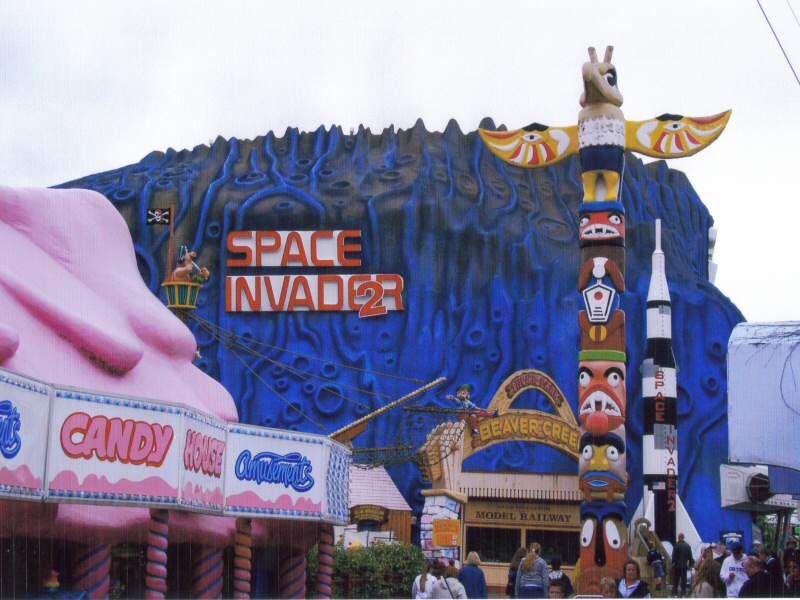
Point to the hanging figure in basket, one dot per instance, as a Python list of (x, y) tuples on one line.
[(469, 410)]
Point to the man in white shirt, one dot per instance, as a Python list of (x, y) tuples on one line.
[(732, 572)]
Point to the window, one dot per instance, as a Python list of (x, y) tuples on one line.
[(494, 545), (565, 543), (369, 525)]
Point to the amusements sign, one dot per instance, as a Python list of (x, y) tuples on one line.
[(368, 294), (274, 472), (24, 406), (115, 450)]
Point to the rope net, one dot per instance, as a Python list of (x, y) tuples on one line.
[(427, 435)]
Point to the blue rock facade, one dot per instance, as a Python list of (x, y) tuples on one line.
[(489, 255)]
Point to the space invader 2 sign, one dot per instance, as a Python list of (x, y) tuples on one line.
[(369, 294), (446, 532)]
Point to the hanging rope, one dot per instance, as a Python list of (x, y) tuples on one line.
[(232, 341), (235, 338), (421, 437), (274, 391)]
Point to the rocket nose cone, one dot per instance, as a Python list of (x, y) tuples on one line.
[(597, 423)]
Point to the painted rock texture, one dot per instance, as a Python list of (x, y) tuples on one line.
[(489, 257)]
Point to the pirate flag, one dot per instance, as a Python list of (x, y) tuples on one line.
[(158, 216)]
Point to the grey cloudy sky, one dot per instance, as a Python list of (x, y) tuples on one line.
[(92, 86)]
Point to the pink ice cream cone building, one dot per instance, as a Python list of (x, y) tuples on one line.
[(118, 454)]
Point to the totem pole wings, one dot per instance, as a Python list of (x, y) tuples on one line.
[(601, 123), (667, 136)]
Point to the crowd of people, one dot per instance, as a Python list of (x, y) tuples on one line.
[(529, 577), (719, 572), (730, 573), (760, 573)]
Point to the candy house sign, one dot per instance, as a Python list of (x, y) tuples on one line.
[(108, 448), (114, 450), (202, 462)]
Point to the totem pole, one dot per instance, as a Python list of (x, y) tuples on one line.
[(600, 139)]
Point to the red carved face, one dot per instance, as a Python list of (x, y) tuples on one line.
[(601, 385), (601, 225)]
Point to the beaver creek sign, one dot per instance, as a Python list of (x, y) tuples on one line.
[(558, 430)]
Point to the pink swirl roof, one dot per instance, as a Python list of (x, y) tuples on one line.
[(76, 312)]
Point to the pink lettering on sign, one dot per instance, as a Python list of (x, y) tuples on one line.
[(203, 453), (128, 441)]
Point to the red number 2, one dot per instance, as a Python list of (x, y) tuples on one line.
[(372, 307)]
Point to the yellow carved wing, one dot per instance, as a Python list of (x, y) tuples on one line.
[(532, 146), (673, 136)]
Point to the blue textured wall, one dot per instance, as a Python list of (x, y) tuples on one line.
[(489, 255)]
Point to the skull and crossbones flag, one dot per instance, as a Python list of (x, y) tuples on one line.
[(158, 216)]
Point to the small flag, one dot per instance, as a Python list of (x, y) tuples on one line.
[(659, 485), (158, 216)]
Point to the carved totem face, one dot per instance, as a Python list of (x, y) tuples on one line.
[(604, 544), (602, 466), (601, 385), (602, 222)]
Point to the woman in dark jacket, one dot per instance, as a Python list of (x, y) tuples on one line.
[(472, 578)]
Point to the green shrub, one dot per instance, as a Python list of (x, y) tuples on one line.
[(388, 570)]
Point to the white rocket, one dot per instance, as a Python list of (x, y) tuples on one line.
[(660, 400)]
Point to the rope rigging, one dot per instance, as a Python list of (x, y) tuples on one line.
[(426, 435)]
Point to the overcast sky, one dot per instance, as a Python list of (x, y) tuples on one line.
[(93, 86)]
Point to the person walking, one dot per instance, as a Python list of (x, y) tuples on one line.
[(789, 553), (472, 578), (447, 584), (556, 574), (532, 576), (681, 561), (423, 584), (708, 584), (656, 561), (793, 578), (512, 572), (773, 568), (733, 574)]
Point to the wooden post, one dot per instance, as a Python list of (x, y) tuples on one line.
[(171, 263)]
